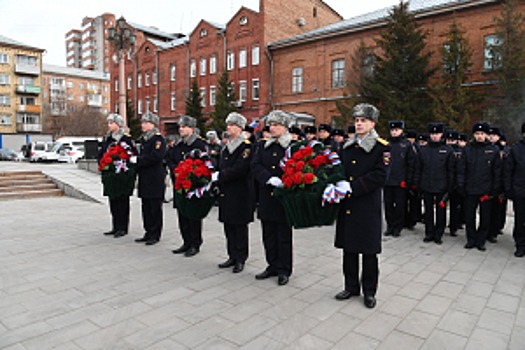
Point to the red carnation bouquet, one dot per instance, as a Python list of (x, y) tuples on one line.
[(118, 174), (308, 168), (193, 186)]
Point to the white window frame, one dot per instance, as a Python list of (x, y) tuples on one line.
[(173, 72), (173, 101), (230, 60), (139, 106), (5, 100), (4, 58), (5, 79), (148, 104), (146, 79), (154, 77), (243, 58), (139, 80), (256, 89), (489, 41), (130, 81), (203, 64), (338, 73), (6, 119), (256, 59), (213, 95), (297, 80), (243, 91), (193, 68), (213, 64), (155, 104), (202, 92)]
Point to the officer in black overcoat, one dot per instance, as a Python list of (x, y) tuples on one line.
[(400, 175), (338, 140), (236, 189), (479, 177), (365, 158), (190, 229), (277, 233), (152, 177), (455, 198), (434, 178), (119, 206), (413, 207), (324, 135), (310, 132), (514, 184), (498, 213)]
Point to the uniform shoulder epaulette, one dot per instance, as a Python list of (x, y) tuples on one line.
[(127, 134), (248, 142), (382, 141), (263, 139), (158, 134)]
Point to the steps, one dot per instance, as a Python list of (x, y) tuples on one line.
[(26, 184)]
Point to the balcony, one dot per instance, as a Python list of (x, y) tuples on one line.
[(95, 100), (20, 127), (29, 108), (28, 89), (27, 69)]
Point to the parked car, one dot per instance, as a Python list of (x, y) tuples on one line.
[(9, 154), (72, 148), (38, 149)]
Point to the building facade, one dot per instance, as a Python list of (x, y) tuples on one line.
[(66, 91), (20, 87)]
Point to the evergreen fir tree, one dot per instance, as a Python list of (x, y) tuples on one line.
[(224, 102), (194, 105), (132, 121), (399, 83), (455, 103)]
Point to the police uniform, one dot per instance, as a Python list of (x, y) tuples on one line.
[(413, 206), (498, 212), (514, 184), (327, 142), (152, 184), (358, 228), (479, 178), (455, 197), (190, 229), (119, 206), (400, 175), (434, 178)]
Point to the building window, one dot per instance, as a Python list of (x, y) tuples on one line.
[(242, 58), (81, 86), (154, 78), (255, 56), (130, 80), (203, 66), (26, 60), (193, 69), (338, 74), (173, 101), (230, 60), (105, 88), (203, 32), (106, 100), (5, 120), (139, 106), (147, 78), (139, 80), (70, 84), (4, 79), (492, 57), (203, 97), (297, 80), (4, 58), (255, 89), (213, 95), (148, 104), (155, 104), (243, 21), (242, 91), (213, 64), (81, 98), (4, 100), (173, 72), (70, 97)]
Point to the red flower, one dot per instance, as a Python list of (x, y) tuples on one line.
[(287, 181), (300, 165), (484, 198), (403, 184), (309, 178), (442, 204), (297, 178), (186, 184)]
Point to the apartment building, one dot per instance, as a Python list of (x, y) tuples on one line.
[(20, 87), (312, 86), (66, 90)]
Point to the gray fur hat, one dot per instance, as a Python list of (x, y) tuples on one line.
[(116, 118), (278, 117), (150, 118), (186, 120), (367, 111), (237, 119)]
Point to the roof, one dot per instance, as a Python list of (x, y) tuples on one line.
[(377, 17), (170, 44), (75, 72), (9, 41), (153, 31)]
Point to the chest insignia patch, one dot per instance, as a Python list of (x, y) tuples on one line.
[(246, 153), (386, 158), (158, 144)]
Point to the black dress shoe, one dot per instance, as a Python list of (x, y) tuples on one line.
[(152, 241), (453, 234), (428, 239), (141, 240), (120, 234), (492, 239), (264, 275), (370, 301), (282, 280), (388, 233), (238, 267), (180, 250), (396, 233), (228, 263), (481, 247), (469, 245), (344, 295), (110, 233), (519, 253), (438, 241), (191, 252)]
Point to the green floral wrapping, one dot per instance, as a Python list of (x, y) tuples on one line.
[(194, 208), (119, 185)]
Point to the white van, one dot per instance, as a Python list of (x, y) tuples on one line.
[(38, 149), (71, 149)]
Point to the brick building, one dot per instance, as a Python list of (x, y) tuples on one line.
[(311, 70)]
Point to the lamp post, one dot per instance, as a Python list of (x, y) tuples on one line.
[(121, 37)]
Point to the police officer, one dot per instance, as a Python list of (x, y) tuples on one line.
[(338, 140), (350, 132), (152, 174), (401, 172), (325, 135), (296, 133), (479, 178), (277, 233), (119, 206), (413, 211), (311, 132), (236, 187), (190, 229), (514, 181), (452, 137), (434, 178), (365, 159), (498, 213)]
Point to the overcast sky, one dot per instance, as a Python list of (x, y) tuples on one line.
[(44, 23)]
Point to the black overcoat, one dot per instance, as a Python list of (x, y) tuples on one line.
[(358, 228), (514, 171), (435, 168), (150, 168), (479, 170)]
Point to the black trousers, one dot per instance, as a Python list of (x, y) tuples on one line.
[(413, 211), (369, 273), (190, 230), (236, 242), (119, 208), (455, 211), (152, 218), (477, 236), (434, 226), (277, 240), (498, 216), (394, 198), (519, 223)]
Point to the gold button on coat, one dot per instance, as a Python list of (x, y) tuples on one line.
[(348, 212)]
